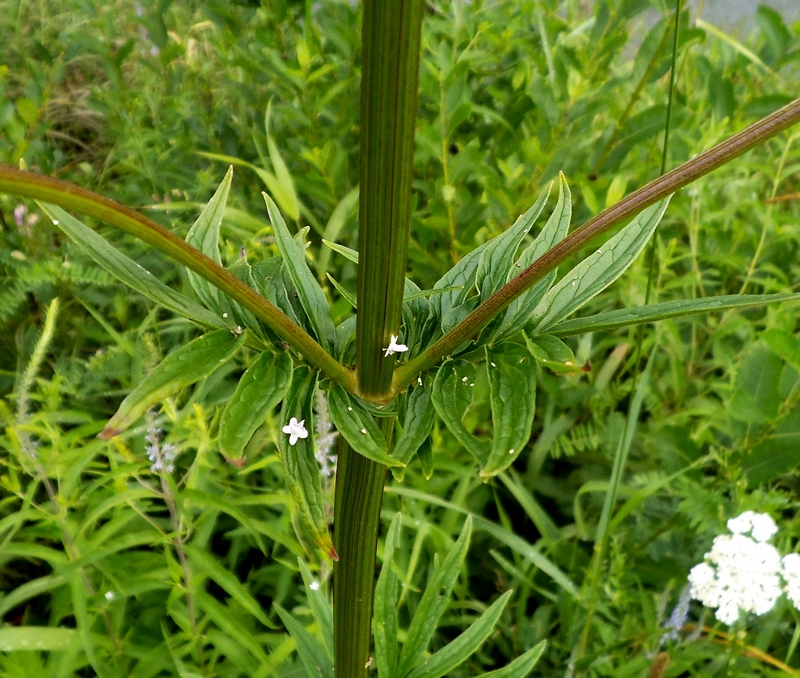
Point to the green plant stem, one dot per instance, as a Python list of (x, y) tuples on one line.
[(625, 209), (70, 196), (391, 36)]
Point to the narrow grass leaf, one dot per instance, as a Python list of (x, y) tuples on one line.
[(300, 466), (512, 395), (203, 562), (127, 271), (521, 666), (320, 606), (554, 231), (357, 427), (184, 366), (434, 601), (496, 261), (598, 270), (625, 317), (311, 295), (227, 623), (349, 297), (204, 235), (286, 194), (384, 618), (313, 656), (341, 213), (457, 651), (261, 388), (417, 424), (516, 543), (41, 638), (451, 396), (206, 500)]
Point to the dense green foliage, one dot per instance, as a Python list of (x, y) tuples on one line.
[(188, 573)]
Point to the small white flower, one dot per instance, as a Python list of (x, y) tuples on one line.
[(739, 575), (295, 430), (394, 347), (109, 595), (314, 586), (758, 525), (791, 575)]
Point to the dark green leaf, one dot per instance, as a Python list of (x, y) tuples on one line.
[(357, 427), (260, 388), (384, 619), (417, 423), (668, 309), (495, 263), (204, 235), (128, 271), (182, 367), (452, 395), (598, 270), (512, 389), (310, 293), (456, 652), (311, 652), (434, 601), (300, 466)]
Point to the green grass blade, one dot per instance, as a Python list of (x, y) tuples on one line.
[(669, 309), (42, 638), (384, 620), (315, 660), (521, 666), (457, 651), (434, 601), (320, 606)]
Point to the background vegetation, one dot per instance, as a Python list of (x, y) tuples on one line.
[(180, 574)]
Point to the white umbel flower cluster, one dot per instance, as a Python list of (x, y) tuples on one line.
[(743, 573)]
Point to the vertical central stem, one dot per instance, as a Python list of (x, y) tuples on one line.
[(389, 81)]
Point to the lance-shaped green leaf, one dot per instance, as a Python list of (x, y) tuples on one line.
[(512, 394), (320, 606), (434, 601), (128, 271), (384, 619), (417, 423), (454, 653), (312, 654), (624, 317), (204, 235), (182, 367), (495, 263), (357, 427), (598, 270), (310, 293), (554, 231), (521, 666), (452, 395), (260, 388), (300, 466)]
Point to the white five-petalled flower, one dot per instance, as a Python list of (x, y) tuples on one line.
[(295, 430), (394, 347)]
